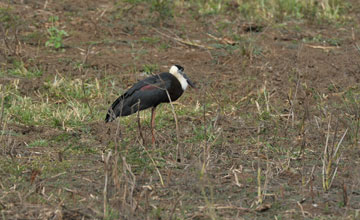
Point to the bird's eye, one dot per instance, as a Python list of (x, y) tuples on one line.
[(180, 67)]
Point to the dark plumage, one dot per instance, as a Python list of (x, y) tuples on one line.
[(150, 92), (147, 93)]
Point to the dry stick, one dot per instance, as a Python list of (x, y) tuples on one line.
[(153, 162), (326, 158), (291, 112), (266, 181), (2, 105), (179, 152), (82, 82), (205, 133), (139, 124), (345, 196), (302, 209), (292, 105), (86, 55), (181, 41), (260, 194), (117, 149), (106, 164), (174, 208), (3, 125), (86, 100), (338, 159), (357, 128), (128, 168), (334, 138), (303, 141), (116, 159)]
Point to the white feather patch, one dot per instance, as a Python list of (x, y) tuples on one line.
[(175, 72)]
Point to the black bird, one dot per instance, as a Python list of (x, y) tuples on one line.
[(150, 92)]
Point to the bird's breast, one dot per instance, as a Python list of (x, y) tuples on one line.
[(175, 90)]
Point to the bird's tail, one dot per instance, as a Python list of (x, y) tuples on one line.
[(115, 109), (109, 116)]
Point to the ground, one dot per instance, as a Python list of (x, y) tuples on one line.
[(271, 132)]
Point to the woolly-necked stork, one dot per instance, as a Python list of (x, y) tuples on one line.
[(150, 92)]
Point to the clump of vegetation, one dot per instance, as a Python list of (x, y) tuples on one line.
[(163, 8), (55, 35), (278, 10), (7, 18)]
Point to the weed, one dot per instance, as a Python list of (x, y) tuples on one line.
[(55, 35), (55, 38), (211, 6), (351, 102), (281, 10), (150, 40), (7, 18), (320, 39), (39, 143), (150, 68), (163, 8), (331, 158)]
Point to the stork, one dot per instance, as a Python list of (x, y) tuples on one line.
[(162, 88)]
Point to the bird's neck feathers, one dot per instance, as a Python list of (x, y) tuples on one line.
[(181, 78)]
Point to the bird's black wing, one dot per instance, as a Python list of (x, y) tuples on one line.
[(150, 91), (145, 82)]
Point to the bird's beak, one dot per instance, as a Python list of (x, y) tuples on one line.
[(188, 80)]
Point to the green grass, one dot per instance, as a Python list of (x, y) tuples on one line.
[(20, 70), (275, 10), (64, 103)]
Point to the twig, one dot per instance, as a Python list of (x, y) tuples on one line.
[(179, 152), (139, 124), (153, 162), (186, 42), (260, 192), (86, 100), (174, 208), (345, 195), (223, 207), (127, 167), (2, 105), (116, 156), (106, 167), (302, 209), (205, 133), (86, 55)]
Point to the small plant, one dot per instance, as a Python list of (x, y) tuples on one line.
[(163, 8), (150, 68), (55, 35), (211, 6), (8, 19), (330, 160)]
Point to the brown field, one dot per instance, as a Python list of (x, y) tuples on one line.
[(272, 132)]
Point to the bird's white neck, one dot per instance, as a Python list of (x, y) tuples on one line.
[(182, 80)]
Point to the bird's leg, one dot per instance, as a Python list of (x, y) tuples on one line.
[(153, 125)]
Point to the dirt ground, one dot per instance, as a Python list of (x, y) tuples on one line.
[(271, 97)]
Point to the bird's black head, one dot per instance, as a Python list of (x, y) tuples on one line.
[(180, 68)]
